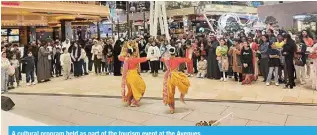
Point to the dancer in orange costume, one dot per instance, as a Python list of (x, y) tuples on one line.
[(173, 78), (189, 55), (132, 79)]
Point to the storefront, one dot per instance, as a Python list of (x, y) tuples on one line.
[(300, 25), (26, 21), (10, 35), (14, 35), (285, 12)]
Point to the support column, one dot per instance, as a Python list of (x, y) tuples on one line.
[(161, 19), (167, 34), (112, 21), (128, 19), (151, 17), (144, 22), (66, 30), (98, 30), (155, 22), (83, 32), (118, 28)]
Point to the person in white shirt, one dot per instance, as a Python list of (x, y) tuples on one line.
[(84, 60), (97, 56), (202, 67), (66, 44), (155, 54), (66, 63)]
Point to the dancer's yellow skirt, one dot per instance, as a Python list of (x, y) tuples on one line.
[(179, 80), (135, 84)]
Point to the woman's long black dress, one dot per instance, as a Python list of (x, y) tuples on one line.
[(288, 51), (213, 71), (116, 62), (144, 65)]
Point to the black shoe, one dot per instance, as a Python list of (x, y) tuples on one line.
[(47, 80), (86, 73)]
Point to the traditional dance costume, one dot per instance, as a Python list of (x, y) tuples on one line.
[(255, 60), (313, 75), (172, 79), (132, 80)]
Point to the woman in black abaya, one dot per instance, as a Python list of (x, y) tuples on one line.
[(116, 62), (145, 65), (213, 71), (288, 51)]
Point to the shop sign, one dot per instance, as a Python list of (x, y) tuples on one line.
[(10, 3), (300, 17)]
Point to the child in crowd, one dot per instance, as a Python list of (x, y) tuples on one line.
[(274, 63), (15, 77), (222, 57), (57, 59), (154, 54), (29, 68), (83, 62), (202, 67), (66, 63), (5, 63), (110, 61), (247, 63)]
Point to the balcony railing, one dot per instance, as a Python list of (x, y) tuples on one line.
[(77, 2), (187, 4)]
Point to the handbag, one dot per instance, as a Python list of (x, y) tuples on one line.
[(298, 62), (11, 70)]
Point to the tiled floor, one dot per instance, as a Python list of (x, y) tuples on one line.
[(200, 89), (65, 110)]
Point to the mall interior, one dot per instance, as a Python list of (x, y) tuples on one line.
[(23, 22)]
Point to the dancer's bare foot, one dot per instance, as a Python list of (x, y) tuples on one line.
[(182, 99), (172, 111), (135, 105)]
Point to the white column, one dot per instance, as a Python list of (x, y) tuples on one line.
[(155, 22), (165, 21), (161, 18), (151, 17)]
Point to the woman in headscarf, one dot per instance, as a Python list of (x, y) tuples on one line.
[(213, 71), (76, 55), (288, 51), (143, 53), (131, 78), (173, 78), (116, 63)]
